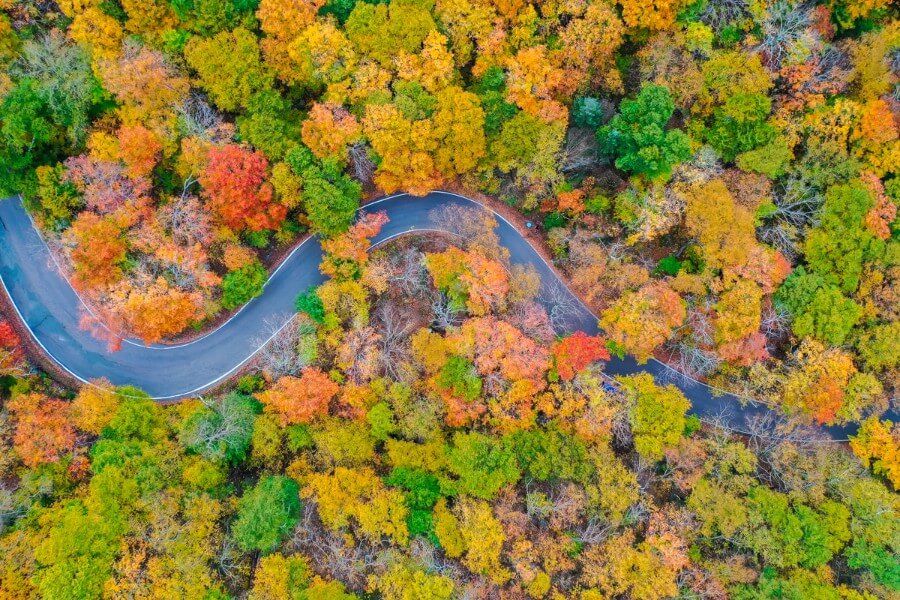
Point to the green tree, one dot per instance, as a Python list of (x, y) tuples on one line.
[(57, 200), (587, 112), (878, 346), (423, 490), (242, 285), (719, 511), (481, 465), (830, 317), (819, 309), (637, 137), (266, 514), (221, 429), (270, 124), (460, 377), (785, 536), (341, 9), (310, 304), (81, 539), (229, 67), (797, 585), (771, 159), (63, 81), (549, 454), (330, 197), (491, 91), (529, 147), (657, 414), (28, 137), (740, 125), (837, 249), (209, 17), (875, 526)]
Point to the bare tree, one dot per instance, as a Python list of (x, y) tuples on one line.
[(199, 119), (445, 314), (580, 151), (361, 162), (425, 554), (329, 552), (693, 360), (394, 329), (721, 13), (595, 531), (775, 321), (797, 202), (621, 430), (531, 318), (782, 236), (561, 305), (231, 562), (408, 272), (186, 219), (281, 345), (476, 226), (13, 507), (832, 71), (785, 25)]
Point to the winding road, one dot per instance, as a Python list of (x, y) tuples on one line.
[(50, 309)]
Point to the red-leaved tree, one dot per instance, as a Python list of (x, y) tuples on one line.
[(574, 353), (12, 359), (236, 189)]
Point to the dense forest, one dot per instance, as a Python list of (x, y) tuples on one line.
[(716, 179)]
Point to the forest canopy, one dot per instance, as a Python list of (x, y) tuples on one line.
[(716, 180)]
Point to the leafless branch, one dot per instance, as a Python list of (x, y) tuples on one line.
[(561, 305), (445, 315), (361, 162), (394, 329), (281, 355), (580, 151)]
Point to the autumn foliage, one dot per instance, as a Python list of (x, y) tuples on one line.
[(236, 189), (43, 431), (12, 355), (574, 353), (716, 180), (298, 400), (640, 321)]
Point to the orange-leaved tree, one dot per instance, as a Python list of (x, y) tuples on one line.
[(347, 254), (469, 279), (877, 444), (99, 251), (159, 310), (573, 353), (43, 431), (300, 400), (640, 321), (236, 189)]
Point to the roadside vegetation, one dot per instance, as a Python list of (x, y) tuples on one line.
[(716, 179), (421, 431)]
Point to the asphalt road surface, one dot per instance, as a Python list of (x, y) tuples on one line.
[(51, 310)]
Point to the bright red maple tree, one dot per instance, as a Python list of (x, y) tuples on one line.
[(574, 353), (236, 189)]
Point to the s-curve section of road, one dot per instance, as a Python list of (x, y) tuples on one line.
[(50, 309)]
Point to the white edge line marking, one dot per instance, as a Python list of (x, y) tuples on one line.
[(243, 362), (218, 379), (138, 343)]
